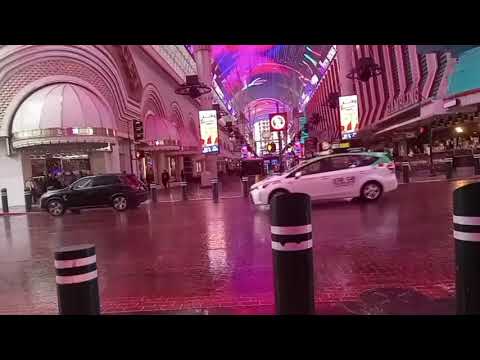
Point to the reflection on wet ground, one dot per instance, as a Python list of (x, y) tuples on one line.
[(390, 257)]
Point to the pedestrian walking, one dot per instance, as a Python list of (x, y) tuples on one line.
[(165, 179)]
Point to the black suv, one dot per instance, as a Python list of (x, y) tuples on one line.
[(117, 190)]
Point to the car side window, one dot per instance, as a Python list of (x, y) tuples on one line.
[(316, 167), (339, 163), (363, 160), (82, 184), (105, 180)]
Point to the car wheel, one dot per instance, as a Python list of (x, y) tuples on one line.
[(55, 207), (275, 194), (120, 203), (371, 191)]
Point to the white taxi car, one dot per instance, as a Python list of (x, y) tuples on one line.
[(366, 175)]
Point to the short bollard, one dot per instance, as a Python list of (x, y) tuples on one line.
[(466, 232), (28, 200), (292, 248), (214, 183), (77, 280), (245, 186), (449, 168), (476, 163), (4, 200), (406, 172), (153, 189), (183, 184)]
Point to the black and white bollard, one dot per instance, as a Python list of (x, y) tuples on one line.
[(214, 183), (153, 189), (466, 232), (292, 248), (449, 168), (4, 200), (245, 186), (77, 280), (28, 200), (476, 163), (406, 172), (183, 184)]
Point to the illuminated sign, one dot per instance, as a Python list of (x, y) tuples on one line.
[(348, 114), (209, 131), (278, 121)]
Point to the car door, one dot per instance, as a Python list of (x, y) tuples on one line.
[(79, 192), (311, 180), (102, 190), (346, 175), (341, 178)]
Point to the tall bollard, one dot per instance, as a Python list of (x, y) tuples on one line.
[(292, 248), (214, 183), (4, 200), (28, 200), (406, 172), (449, 168), (153, 189), (77, 280), (476, 163), (466, 232), (245, 186), (183, 184)]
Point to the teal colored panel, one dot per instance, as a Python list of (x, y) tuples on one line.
[(467, 72)]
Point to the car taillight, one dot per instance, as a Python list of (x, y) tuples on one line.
[(390, 166)]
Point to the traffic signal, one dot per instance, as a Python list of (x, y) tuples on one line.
[(137, 130), (140, 154), (271, 147)]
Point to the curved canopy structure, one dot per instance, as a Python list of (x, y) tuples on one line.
[(287, 73), (62, 113)]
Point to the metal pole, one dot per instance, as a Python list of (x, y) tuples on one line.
[(153, 189), (476, 163), (449, 168), (245, 186), (405, 172), (28, 200), (184, 190), (214, 183), (77, 280), (466, 232), (130, 148), (292, 249), (4, 200), (432, 165)]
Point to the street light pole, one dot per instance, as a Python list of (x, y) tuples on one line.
[(130, 146)]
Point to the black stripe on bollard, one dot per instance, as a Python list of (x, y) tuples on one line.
[(77, 280), (466, 232), (292, 249), (153, 189)]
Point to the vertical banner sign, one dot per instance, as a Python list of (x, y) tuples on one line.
[(348, 115), (209, 131)]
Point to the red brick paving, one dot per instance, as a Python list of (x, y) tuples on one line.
[(216, 258)]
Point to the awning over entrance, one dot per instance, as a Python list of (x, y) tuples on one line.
[(62, 114)]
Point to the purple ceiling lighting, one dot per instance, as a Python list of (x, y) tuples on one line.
[(286, 73)]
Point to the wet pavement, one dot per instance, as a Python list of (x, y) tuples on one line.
[(395, 256)]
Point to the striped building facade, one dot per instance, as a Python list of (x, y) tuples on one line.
[(408, 80)]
